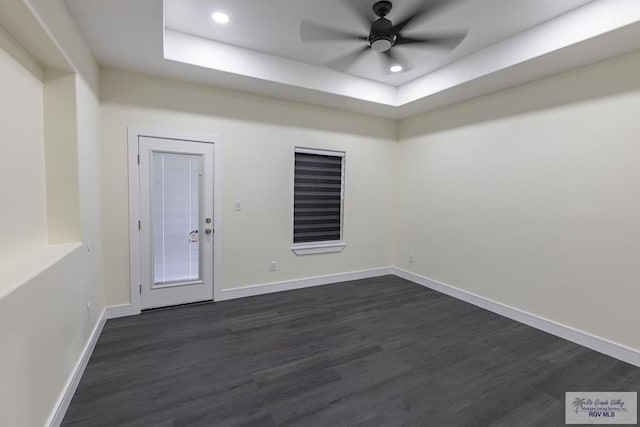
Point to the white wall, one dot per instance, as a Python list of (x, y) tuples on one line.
[(91, 205), (528, 197), (258, 137), (23, 224), (61, 157), (531, 197), (45, 319), (51, 295), (54, 18), (44, 327)]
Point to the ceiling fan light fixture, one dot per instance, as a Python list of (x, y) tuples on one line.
[(220, 17), (396, 68), (381, 44)]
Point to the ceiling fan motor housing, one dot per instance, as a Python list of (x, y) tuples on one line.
[(382, 8), (382, 36)]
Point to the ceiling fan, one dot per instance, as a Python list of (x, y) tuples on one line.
[(383, 35)]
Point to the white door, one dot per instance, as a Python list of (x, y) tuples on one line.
[(176, 222)]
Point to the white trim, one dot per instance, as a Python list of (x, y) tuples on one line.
[(577, 336), (134, 216), (122, 310), (317, 248), (217, 219), (268, 288), (133, 135), (64, 400), (618, 351), (173, 134)]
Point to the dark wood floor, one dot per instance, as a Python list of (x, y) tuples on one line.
[(373, 352)]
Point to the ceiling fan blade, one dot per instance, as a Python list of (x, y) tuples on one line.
[(391, 58), (427, 7), (362, 10), (344, 62), (449, 41), (311, 32)]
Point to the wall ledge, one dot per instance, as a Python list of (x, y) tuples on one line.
[(31, 264)]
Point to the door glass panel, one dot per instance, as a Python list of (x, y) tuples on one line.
[(175, 212)]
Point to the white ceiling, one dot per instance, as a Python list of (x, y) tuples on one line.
[(509, 42), (274, 27)]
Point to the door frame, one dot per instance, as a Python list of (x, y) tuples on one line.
[(135, 265)]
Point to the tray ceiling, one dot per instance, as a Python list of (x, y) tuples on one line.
[(259, 50)]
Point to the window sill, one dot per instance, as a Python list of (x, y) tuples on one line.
[(318, 248)]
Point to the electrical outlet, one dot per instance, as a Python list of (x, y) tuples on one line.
[(411, 256), (237, 205), (273, 266)]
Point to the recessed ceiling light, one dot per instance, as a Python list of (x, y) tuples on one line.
[(396, 68), (220, 18)]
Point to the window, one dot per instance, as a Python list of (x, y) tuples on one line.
[(317, 201)]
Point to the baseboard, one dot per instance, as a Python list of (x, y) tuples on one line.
[(601, 345), (268, 288), (59, 411), (122, 310), (585, 339)]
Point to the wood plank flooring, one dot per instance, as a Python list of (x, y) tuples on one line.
[(374, 352)]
